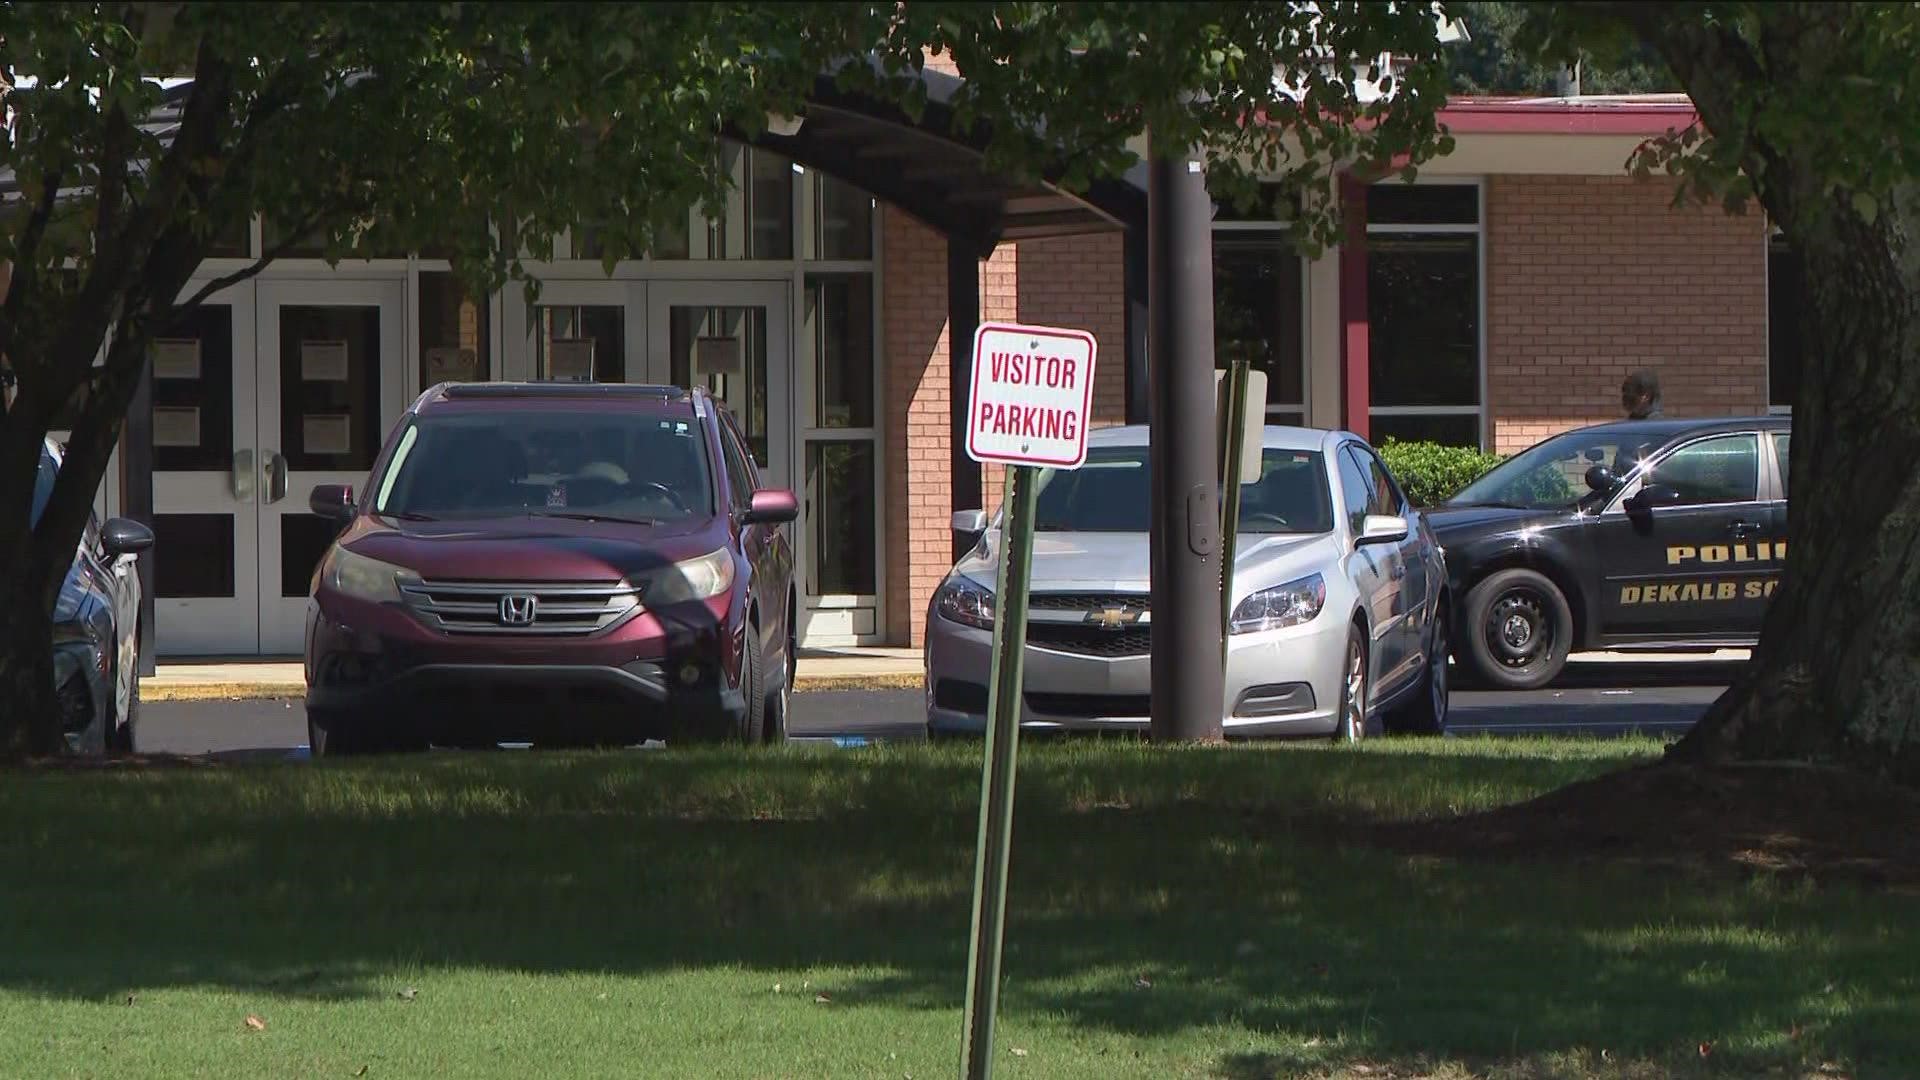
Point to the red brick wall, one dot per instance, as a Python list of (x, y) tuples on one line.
[(919, 545), (1591, 277), (1080, 282)]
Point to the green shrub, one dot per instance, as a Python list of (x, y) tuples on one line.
[(1430, 473)]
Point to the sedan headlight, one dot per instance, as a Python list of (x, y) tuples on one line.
[(366, 579), (1286, 605), (703, 578), (966, 602)]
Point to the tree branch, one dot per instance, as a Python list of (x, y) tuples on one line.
[(278, 251)]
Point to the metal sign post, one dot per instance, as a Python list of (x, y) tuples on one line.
[(996, 783), (1032, 392)]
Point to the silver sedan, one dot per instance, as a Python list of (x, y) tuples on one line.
[(1339, 620)]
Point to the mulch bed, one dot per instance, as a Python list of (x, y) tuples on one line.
[(1787, 818)]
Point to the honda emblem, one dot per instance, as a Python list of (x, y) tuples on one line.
[(517, 610)]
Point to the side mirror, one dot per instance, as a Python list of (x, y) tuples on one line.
[(125, 536), (970, 522), (1380, 529), (1652, 496), (772, 506), (1601, 479), (333, 502)]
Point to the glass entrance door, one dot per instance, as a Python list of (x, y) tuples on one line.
[(331, 380), (730, 337), (206, 479)]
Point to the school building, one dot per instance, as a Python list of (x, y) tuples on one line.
[(1500, 298)]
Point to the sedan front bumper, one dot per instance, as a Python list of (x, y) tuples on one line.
[(1278, 683)]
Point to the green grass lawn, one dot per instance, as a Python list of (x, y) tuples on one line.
[(804, 914)]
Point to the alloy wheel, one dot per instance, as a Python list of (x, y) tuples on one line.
[(1356, 719)]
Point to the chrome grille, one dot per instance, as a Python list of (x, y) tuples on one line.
[(1088, 601), (547, 607), (1072, 623)]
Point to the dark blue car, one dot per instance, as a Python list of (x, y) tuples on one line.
[(96, 627)]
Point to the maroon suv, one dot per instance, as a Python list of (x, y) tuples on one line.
[(557, 564)]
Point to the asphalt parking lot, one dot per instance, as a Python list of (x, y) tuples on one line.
[(1601, 699)]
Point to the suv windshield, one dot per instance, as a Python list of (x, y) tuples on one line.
[(561, 463), (1110, 494), (1552, 475)]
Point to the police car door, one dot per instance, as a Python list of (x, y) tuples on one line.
[(1686, 550)]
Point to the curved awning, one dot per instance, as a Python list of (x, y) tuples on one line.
[(938, 174)]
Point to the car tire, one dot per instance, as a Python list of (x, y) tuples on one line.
[(1350, 725), (1426, 714), (1516, 630), (753, 679), (779, 698)]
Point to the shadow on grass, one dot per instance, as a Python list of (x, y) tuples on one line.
[(1153, 893)]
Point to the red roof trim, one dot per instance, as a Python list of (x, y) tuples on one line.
[(1559, 117)]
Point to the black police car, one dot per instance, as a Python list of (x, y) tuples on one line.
[(1641, 534)]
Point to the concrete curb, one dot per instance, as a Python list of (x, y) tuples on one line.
[(240, 691)]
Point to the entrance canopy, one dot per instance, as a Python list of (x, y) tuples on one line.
[(936, 172)]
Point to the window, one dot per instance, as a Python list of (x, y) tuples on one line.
[(580, 344), (1550, 474), (1423, 312), (1385, 500), (632, 465), (1356, 490), (1784, 327), (739, 473), (839, 319), (1259, 313), (1780, 455), (1722, 469), (453, 331), (1110, 493), (842, 220)]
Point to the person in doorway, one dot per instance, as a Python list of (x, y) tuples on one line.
[(1640, 395)]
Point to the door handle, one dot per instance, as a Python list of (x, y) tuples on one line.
[(276, 477), (1743, 529), (242, 480)]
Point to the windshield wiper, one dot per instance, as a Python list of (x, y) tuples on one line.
[(572, 515), (407, 515)]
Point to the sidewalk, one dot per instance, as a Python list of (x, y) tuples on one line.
[(862, 668), (257, 678)]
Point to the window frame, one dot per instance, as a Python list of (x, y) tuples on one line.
[(1274, 233), (1765, 484), (1477, 230), (1348, 457)]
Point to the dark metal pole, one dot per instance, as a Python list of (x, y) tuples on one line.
[(1187, 664), (1134, 277), (963, 318)]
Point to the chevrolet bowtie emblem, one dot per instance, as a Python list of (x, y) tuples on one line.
[(1112, 618)]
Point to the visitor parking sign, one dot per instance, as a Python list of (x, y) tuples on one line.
[(1031, 395)]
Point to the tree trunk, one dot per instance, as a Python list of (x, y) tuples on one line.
[(1836, 675), (26, 667)]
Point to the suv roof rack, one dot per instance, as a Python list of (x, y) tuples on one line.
[(557, 390)]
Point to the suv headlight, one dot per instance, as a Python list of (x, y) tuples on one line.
[(366, 579), (965, 601), (1286, 605), (703, 578)]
